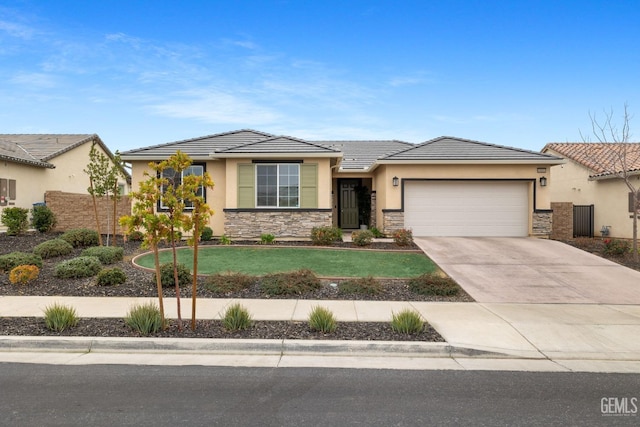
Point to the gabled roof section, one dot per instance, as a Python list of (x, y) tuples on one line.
[(280, 145), (38, 149), (360, 155), (197, 148), (451, 149), (602, 159)]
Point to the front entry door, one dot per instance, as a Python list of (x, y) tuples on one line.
[(348, 204)]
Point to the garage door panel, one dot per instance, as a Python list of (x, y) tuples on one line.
[(467, 208)]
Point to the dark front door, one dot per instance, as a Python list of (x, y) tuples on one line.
[(348, 203)]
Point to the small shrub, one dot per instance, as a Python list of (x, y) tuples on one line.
[(144, 318), (53, 248), (82, 266), (228, 282), (236, 318), (267, 239), (81, 237), (403, 237), (362, 286), (432, 284), (136, 236), (111, 277), (292, 283), (207, 234), (58, 317), (11, 260), (42, 218), (325, 235), (24, 274), (15, 219), (106, 254), (407, 322), (224, 240), (376, 233), (362, 237), (616, 247), (322, 320), (167, 278)]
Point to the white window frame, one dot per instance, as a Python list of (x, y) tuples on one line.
[(182, 175), (277, 165)]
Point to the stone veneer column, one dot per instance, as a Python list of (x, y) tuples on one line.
[(562, 225)]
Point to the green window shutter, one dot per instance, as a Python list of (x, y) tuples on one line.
[(246, 182), (309, 185)]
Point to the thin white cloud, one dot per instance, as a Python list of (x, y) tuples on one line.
[(16, 30), (34, 80)]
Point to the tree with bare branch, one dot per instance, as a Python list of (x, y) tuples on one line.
[(614, 154)]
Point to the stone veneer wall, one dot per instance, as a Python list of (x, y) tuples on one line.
[(73, 210), (392, 221), (562, 227), (542, 223), (281, 223)]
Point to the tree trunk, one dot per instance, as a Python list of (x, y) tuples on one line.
[(115, 212), (195, 275), (95, 212), (156, 257), (175, 276)]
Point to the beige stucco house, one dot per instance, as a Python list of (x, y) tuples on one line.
[(587, 179), (32, 164), (443, 187)]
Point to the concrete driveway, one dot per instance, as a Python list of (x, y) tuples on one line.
[(529, 270)]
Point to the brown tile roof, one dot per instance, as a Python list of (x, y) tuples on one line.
[(601, 158)]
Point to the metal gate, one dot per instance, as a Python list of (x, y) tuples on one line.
[(583, 220)]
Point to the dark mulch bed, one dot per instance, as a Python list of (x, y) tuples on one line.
[(596, 246), (140, 283)]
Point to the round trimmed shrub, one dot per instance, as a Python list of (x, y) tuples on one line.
[(166, 275), (136, 236), (325, 235), (362, 237), (362, 286), (82, 266), (53, 248), (228, 282), (15, 219), (111, 277), (207, 234), (81, 237), (106, 254), (403, 237), (292, 283), (42, 218), (24, 274), (11, 260), (431, 284)]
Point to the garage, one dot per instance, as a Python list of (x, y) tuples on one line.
[(467, 208)]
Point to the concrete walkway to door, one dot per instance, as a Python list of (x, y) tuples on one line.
[(530, 270)]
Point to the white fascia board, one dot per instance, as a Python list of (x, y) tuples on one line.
[(272, 155), (471, 162)]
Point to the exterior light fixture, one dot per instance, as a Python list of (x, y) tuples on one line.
[(395, 181), (543, 181)]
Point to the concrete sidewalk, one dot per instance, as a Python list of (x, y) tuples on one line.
[(502, 336)]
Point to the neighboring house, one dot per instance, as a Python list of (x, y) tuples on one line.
[(31, 164), (586, 179), (285, 186)]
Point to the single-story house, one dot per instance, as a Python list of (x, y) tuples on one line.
[(588, 178), (283, 185), (32, 164)]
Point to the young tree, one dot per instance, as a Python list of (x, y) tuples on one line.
[(98, 170), (614, 154), (115, 172), (193, 187)]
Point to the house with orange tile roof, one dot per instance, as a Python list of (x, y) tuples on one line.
[(593, 175)]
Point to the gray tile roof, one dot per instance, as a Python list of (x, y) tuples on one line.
[(198, 148), (359, 155), (38, 149), (279, 145), (447, 148)]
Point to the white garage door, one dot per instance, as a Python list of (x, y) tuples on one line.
[(467, 208)]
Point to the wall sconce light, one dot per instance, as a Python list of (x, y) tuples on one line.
[(543, 181), (395, 181)]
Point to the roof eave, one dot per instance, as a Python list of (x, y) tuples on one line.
[(474, 161), (36, 163), (602, 177), (272, 155)]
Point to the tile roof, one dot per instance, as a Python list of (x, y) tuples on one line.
[(279, 144), (361, 155), (450, 148), (602, 159), (38, 149)]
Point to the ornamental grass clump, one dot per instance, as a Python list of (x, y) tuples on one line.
[(53, 248), (111, 277), (58, 317), (236, 318), (11, 260), (82, 266), (361, 286), (407, 322), (322, 320), (24, 274), (144, 318), (106, 254), (292, 283), (228, 282), (434, 285)]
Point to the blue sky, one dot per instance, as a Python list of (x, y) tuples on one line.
[(137, 73)]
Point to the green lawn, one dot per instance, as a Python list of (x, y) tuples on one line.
[(324, 262)]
